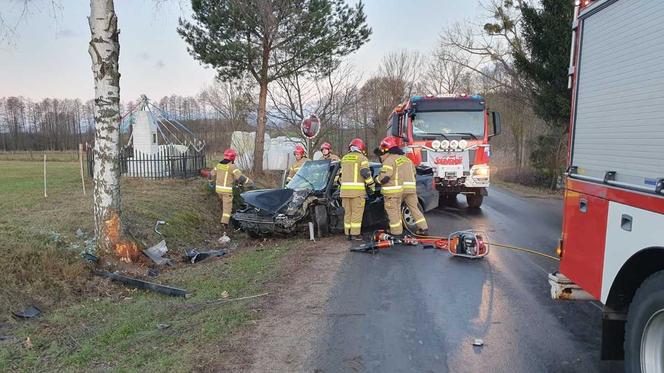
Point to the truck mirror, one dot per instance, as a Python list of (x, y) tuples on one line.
[(394, 126), (495, 118)]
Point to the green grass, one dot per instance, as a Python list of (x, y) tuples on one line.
[(90, 324), (120, 332)]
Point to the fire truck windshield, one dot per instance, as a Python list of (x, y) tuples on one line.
[(461, 123)]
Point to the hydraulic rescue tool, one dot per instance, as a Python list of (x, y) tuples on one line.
[(467, 244)]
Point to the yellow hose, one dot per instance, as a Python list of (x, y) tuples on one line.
[(524, 250)]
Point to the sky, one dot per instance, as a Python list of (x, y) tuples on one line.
[(47, 56)]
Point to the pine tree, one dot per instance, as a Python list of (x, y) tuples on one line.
[(272, 39)]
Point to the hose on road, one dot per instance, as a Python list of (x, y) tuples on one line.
[(504, 246), (524, 250)]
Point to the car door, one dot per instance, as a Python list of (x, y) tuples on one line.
[(374, 210)]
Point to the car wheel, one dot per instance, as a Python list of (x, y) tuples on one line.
[(474, 200), (408, 219), (253, 234), (644, 330), (321, 220)]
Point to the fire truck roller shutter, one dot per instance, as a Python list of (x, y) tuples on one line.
[(618, 124)]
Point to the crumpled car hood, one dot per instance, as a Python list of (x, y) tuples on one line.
[(269, 200)]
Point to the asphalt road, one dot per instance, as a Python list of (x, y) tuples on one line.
[(413, 310)]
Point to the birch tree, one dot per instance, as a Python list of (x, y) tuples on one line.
[(105, 52)]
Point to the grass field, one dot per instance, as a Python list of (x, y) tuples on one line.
[(91, 324)]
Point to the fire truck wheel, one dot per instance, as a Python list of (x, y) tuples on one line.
[(474, 200), (644, 331)]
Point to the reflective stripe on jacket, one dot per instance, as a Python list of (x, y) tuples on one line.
[(389, 176), (355, 175), (406, 170), (226, 174)]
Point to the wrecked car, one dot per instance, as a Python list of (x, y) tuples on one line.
[(313, 196)]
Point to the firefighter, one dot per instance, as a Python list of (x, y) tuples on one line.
[(326, 149), (406, 171), (355, 177), (391, 186), (227, 174), (300, 159)]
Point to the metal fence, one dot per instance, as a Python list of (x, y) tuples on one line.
[(164, 164)]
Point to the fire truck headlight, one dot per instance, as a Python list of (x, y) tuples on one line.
[(480, 171), (454, 144), (435, 144), (463, 144), (444, 144)]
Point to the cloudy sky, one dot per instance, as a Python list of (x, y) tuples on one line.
[(47, 55)]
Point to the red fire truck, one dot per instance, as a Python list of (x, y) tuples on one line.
[(449, 133), (611, 249)]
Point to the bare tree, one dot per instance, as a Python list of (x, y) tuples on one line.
[(405, 66), (442, 75), (328, 96), (378, 97)]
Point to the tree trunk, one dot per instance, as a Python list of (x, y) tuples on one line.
[(260, 128), (105, 50)]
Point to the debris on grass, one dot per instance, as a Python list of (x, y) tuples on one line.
[(163, 326), (80, 233), (157, 225), (89, 257), (478, 342), (195, 256), (224, 294), (28, 313), (27, 343), (141, 284), (156, 254), (224, 240)]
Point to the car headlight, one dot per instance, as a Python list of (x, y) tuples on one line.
[(454, 144), (444, 144), (480, 171), (435, 144), (463, 144)]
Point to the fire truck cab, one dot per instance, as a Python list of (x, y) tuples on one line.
[(611, 248), (450, 134)]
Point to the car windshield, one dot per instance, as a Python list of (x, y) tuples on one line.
[(427, 124), (312, 175)]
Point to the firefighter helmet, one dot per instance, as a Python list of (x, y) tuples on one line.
[(388, 143), (326, 145), (299, 150), (357, 142), (230, 154)]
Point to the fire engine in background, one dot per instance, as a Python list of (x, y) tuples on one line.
[(612, 246), (449, 133)]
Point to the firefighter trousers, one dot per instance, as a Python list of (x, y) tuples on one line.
[(410, 200), (353, 211), (393, 210), (226, 200)]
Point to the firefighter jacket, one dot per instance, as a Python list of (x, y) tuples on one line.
[(331, 157), (406, 171), (227, 174), (355, 175), (389, 176), (296, 167)]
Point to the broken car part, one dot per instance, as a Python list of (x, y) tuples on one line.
[(156, 253), (28, 313), (195, 256), (140, 284)]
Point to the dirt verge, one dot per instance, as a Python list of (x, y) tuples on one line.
[(286, 333)]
